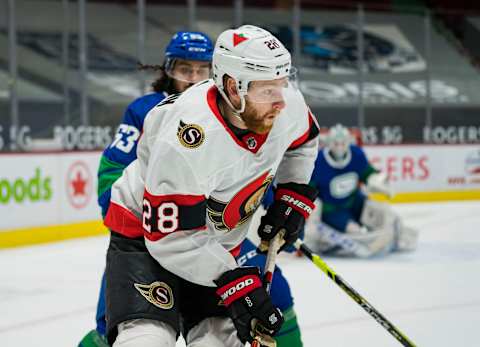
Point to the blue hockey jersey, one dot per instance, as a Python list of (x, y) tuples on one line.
[(123, 150), (337, 185)]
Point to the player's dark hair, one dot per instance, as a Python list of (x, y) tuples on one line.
[(163, 83)]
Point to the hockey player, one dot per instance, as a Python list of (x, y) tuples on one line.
[(350, 223), (282, 296), (179, 212), (187, 61)]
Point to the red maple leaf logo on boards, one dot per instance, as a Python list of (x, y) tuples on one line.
[(238, 38), (78, 184)]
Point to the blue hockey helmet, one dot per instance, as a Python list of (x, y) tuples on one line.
[(190, 45), (194, 48)]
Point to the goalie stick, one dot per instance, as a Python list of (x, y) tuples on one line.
[(384, 322)]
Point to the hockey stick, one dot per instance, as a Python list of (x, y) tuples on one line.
[(384, 322), (272, 252), (273, 247)]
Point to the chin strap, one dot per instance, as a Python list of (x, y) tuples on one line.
[(237, 112)]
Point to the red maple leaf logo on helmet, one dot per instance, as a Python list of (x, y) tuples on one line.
[(238, 38)]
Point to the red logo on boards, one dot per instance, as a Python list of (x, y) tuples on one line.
[(472, 163), (472, 170), (79, 184)]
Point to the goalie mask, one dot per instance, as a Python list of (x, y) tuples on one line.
[(338, 146), (185, 47), (249, 54)]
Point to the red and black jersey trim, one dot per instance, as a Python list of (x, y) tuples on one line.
[(164, 214), (123, 221), (312, 132)]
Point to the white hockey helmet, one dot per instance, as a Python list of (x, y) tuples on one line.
[(247, 54), (338, 143)]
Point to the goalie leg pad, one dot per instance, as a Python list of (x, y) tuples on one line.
[(406, 238), (327, 240), (378, 242), (380, 217), (376, 215)]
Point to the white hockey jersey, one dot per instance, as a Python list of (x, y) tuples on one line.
[(195, 184)]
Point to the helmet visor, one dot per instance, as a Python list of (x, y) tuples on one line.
[(272, 91), (189, 71)]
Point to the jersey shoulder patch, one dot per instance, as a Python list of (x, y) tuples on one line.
[(190, 135)]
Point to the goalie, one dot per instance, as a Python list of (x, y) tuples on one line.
[(347, 222)]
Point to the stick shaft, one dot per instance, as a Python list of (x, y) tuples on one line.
[(268, 271), (270, 261), (384, 322)]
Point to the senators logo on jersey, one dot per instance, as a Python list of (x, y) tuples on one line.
[(227, 215), (190, 135), (157, 293)]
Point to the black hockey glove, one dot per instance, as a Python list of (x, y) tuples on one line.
[(247, 302), (292, 205)]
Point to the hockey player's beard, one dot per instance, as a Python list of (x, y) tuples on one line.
[(259, 124)]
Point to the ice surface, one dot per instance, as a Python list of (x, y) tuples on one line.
[(48, 293)]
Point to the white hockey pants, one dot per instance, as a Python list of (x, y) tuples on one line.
[(211, 332)]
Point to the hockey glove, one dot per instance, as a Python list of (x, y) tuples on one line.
[(247, 302), (378, 183), (292, 205)]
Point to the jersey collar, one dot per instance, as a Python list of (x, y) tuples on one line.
[(247, 139)]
